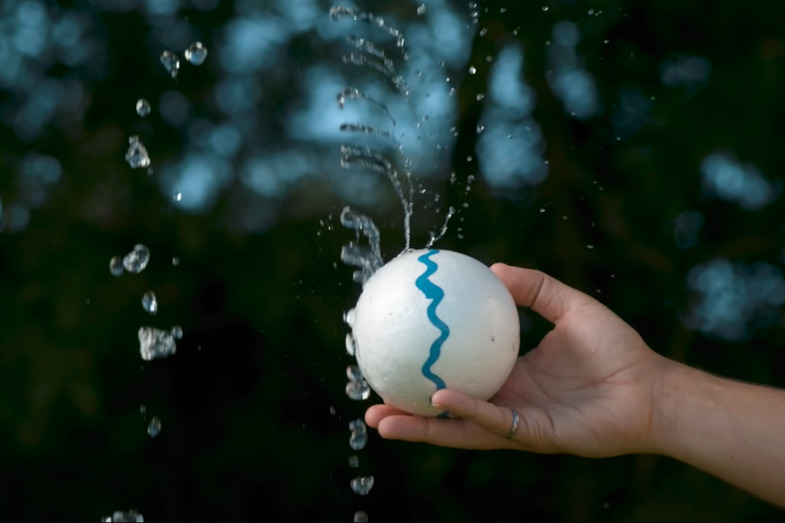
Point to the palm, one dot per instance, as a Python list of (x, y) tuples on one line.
[(580, 386), (585, 390)]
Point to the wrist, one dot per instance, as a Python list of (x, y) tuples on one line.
[(680, 396)]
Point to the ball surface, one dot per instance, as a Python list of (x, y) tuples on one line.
[(431, 319)]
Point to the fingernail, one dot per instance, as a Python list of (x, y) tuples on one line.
[(431, 398)]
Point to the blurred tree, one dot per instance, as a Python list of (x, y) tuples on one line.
[(630, 149)]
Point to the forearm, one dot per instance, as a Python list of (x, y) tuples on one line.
[(732, 430)]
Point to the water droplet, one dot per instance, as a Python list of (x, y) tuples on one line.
[(136, 260), (360, 516), (606, 41), (472, 70), (421, 9), (175, 261), (358, 441), (170, 62), (359, 437), (591, 12), (177, 196), (119, 515), (351, 344), (480, 97), (354, 461), (149, 303), (155, 343), (116, 266), (590, 246), (177, 332), (348, 317), (358, 390), (362, 485), (142, 107), (542, 209), (142, 409), (483, 31), (154, 428), (136, 155), (545, 8), (480, 129), (196, 53), (354, 373)]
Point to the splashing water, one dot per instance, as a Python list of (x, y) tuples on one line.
[(136, 260), (120, 516), (352, 93), (358, 390), (437, 237), (368, 54), (149, 302), (155, 343), (362, 485), (359, 437), (339, 11), (170, 62), (142, 107), (367, 259), (196, 53), (351, 344), (116, 266), (136, 156), (154, 428), (354, 373), (348, 317), (374, 58), (177, 332), (365, 129)]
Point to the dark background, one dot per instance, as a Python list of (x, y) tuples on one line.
[(617, 200)]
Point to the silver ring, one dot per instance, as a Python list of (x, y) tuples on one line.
[(514, 427)]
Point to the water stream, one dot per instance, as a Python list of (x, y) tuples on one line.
[(364, 252)]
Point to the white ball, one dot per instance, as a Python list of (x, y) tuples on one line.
[(431, 319)]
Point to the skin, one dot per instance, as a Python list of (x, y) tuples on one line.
[(593, 388)]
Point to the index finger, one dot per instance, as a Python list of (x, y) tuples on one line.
[(543, 294)]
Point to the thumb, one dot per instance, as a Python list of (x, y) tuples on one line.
[(543, 294), (532, 431)]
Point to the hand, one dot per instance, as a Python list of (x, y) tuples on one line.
[(588, 389)]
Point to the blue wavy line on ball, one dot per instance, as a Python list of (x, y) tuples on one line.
[(434, 293)]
